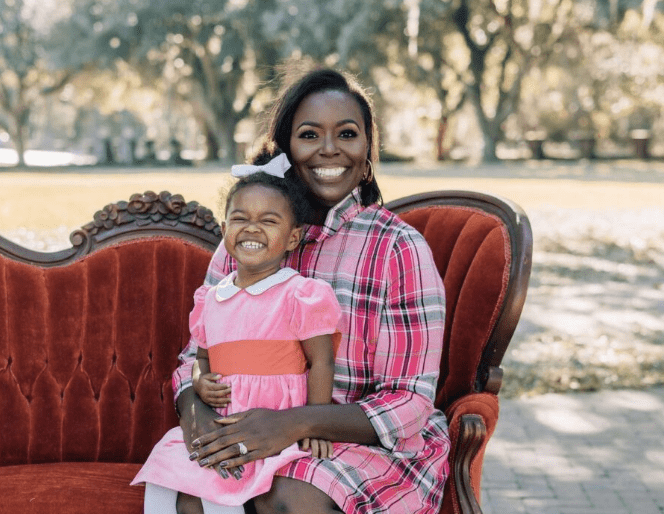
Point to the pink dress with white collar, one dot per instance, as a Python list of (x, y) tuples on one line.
[(253, 339)]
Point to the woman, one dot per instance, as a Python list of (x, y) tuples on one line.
[(391, 445)]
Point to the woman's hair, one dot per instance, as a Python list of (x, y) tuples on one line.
[(283, 111), (293, 191)]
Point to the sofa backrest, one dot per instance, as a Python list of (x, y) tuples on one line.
[(482, 247), (87, 350), (89, 335)]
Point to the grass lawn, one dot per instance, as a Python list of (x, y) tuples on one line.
[(39, 200)]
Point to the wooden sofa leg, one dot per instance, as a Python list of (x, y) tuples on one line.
[(472, 433)]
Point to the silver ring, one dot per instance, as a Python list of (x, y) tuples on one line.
[(243, 448)]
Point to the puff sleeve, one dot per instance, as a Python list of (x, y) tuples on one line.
[(316, 310), (197, 317)]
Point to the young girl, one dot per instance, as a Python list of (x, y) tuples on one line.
[(259, 328)]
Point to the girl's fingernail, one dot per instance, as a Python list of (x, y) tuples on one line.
[(223, 464), (203, 462), (193, 456), (223, 473), (241, 468), (196, 443), (237, 475)]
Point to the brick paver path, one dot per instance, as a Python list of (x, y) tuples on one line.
[(577, 453)]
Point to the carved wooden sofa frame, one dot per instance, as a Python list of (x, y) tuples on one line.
[(89, 337)]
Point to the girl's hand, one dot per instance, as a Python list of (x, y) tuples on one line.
[(320, 448), (263, 432), (209, 389)]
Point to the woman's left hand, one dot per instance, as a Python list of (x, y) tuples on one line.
[(263, 432)]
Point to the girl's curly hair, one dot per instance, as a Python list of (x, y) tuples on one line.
[(293, 190)]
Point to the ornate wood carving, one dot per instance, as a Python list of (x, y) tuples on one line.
[(144, 215), (152, 208), (491, 381), (148, 210), (472, 434)]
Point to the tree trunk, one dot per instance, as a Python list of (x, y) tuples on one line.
[(212, 147), (221, 144), (489, 152), (491, 131), (441, 151), (18, 137), (226, 140)]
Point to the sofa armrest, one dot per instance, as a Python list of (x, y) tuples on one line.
[(472, 420)]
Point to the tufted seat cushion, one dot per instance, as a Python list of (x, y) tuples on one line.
[(70, 488)]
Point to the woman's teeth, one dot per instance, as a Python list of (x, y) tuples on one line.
[(251, 245), (329, 172)]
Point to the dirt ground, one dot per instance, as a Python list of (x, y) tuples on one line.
[(594, 317)]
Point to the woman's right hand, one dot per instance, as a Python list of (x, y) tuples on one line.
[(197, 420), (263, 432)]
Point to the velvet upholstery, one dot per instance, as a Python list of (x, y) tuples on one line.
[(471, 251), (70, 488), (87, 351), (486, 406)]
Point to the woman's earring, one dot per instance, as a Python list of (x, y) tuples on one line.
[(369, 173)]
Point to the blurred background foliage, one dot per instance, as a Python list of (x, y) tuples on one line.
[(143, 81)]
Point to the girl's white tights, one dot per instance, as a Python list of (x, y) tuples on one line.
[(160, 500)]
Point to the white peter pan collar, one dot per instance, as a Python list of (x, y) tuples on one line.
[(226, 288)]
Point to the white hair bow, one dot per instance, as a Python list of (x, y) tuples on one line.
[(276, 167)]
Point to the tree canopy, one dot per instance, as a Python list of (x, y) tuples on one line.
[(550, 65)]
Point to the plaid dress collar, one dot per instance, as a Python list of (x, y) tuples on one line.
[(344, 211)]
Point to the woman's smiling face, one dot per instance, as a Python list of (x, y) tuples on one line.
[(329, 145)]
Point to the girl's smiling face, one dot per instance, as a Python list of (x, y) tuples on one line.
[(258, 231), (329, 145)]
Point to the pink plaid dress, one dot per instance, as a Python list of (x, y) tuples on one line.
[(393, 310)]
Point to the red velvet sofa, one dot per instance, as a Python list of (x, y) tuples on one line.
[(89, 337)]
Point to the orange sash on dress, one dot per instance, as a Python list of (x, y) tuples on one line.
[(261, 357), (257, 358)]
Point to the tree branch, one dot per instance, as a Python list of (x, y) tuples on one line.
[(5, 97), (502, 93), (59, 84), (244, 112), (460, 19), (459, 104), (510, 97)]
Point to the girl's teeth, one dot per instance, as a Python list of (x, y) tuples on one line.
[(251, 245), (329, 172)]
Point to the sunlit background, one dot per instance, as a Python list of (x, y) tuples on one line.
[(100, 99), (145, 81)]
